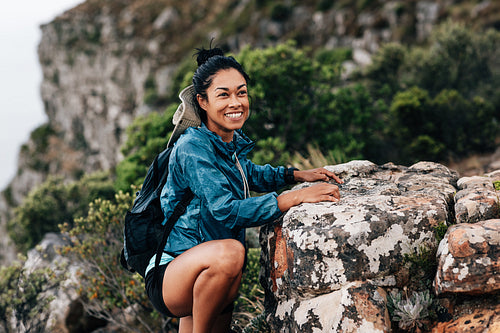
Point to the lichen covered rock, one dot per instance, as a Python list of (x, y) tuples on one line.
[(319, 249), (469, 259)]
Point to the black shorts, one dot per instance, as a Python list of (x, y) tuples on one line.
[(155, 293), (155, 290)]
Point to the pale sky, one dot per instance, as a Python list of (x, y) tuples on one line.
[(21, 108)]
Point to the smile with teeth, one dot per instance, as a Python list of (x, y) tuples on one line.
[(234, 115)]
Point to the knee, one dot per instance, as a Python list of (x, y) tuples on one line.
[(230, 256)]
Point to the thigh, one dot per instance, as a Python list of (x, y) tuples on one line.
[(181, 273)]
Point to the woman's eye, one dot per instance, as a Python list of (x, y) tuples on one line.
[(243, 92)]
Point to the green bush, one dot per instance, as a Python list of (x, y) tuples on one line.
[(52, 203), (248, 313), (23, 297), (270, 150), (333, 56), (147, 136), (289, 93), (386, 70), (107, 290)]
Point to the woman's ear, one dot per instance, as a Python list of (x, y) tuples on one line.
[(202, 101)]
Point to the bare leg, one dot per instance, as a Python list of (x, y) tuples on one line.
[(186, 324), (203, 281), (223, 323)]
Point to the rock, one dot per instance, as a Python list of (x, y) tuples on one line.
[(469, 259), (319, 249), (356, 307), (479, 321), (477, 200), (65, 312)]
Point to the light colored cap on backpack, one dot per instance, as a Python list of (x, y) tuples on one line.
[(185, 116)]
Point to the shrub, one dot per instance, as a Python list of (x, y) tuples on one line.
[(249, 308), (385, 71), (290, 93), (23, 297), (107, 290), (52, 203), (147, 136), (270, 150)]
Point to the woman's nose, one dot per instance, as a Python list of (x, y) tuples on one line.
[(234, 100)]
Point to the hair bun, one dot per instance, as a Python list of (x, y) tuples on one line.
[(203, 55)]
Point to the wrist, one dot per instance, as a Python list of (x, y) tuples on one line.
[(289, 175)]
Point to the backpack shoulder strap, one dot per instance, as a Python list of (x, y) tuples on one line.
[(179, 209)]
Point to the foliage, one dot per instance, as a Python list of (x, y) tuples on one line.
[(385, 71), (435, 129), (458, 59), (442, 98), (497, 185), (422, 266), (107, 290), (249, 308), (52, 203), (23, 297), (440, 231), (147, 136), (270, 150), (293, 102), (289, 93), (412, 313), (316, 159), (333, 56)]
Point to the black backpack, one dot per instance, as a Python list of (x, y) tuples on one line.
[(144, 235)]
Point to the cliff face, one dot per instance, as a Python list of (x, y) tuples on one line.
[(106, 62)]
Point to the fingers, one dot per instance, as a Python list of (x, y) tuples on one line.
[(331, 175), (322, 192)]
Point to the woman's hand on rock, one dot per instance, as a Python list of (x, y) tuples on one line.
[(315, 193), (313, 175)]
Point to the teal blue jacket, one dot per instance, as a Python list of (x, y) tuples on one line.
[(204, 163)]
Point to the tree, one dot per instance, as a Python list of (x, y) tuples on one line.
[(290, 94)]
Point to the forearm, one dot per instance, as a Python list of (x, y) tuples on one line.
[(288, 200)]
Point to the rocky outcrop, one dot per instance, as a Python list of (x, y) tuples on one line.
[(322, 259), (105, 62)]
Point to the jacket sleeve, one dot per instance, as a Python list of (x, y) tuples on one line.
[(209, 183), (264, 178)]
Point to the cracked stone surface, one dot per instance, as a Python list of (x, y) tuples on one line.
[(320, 249)]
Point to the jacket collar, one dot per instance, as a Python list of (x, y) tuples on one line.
[(241, 144)]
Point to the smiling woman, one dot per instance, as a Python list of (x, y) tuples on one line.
[(202, 263), (228, 107)]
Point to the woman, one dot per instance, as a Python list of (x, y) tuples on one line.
[(202, 264)]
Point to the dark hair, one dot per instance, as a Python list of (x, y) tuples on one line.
[(210, 62)]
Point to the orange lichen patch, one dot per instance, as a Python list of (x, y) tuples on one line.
[(279, 256), (459, 245), (370, 310), (482, 320)]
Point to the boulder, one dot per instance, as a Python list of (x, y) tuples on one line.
[(477, 200), (316, 251), (469, 259)]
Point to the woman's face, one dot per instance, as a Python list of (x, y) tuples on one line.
[(226, 103)]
